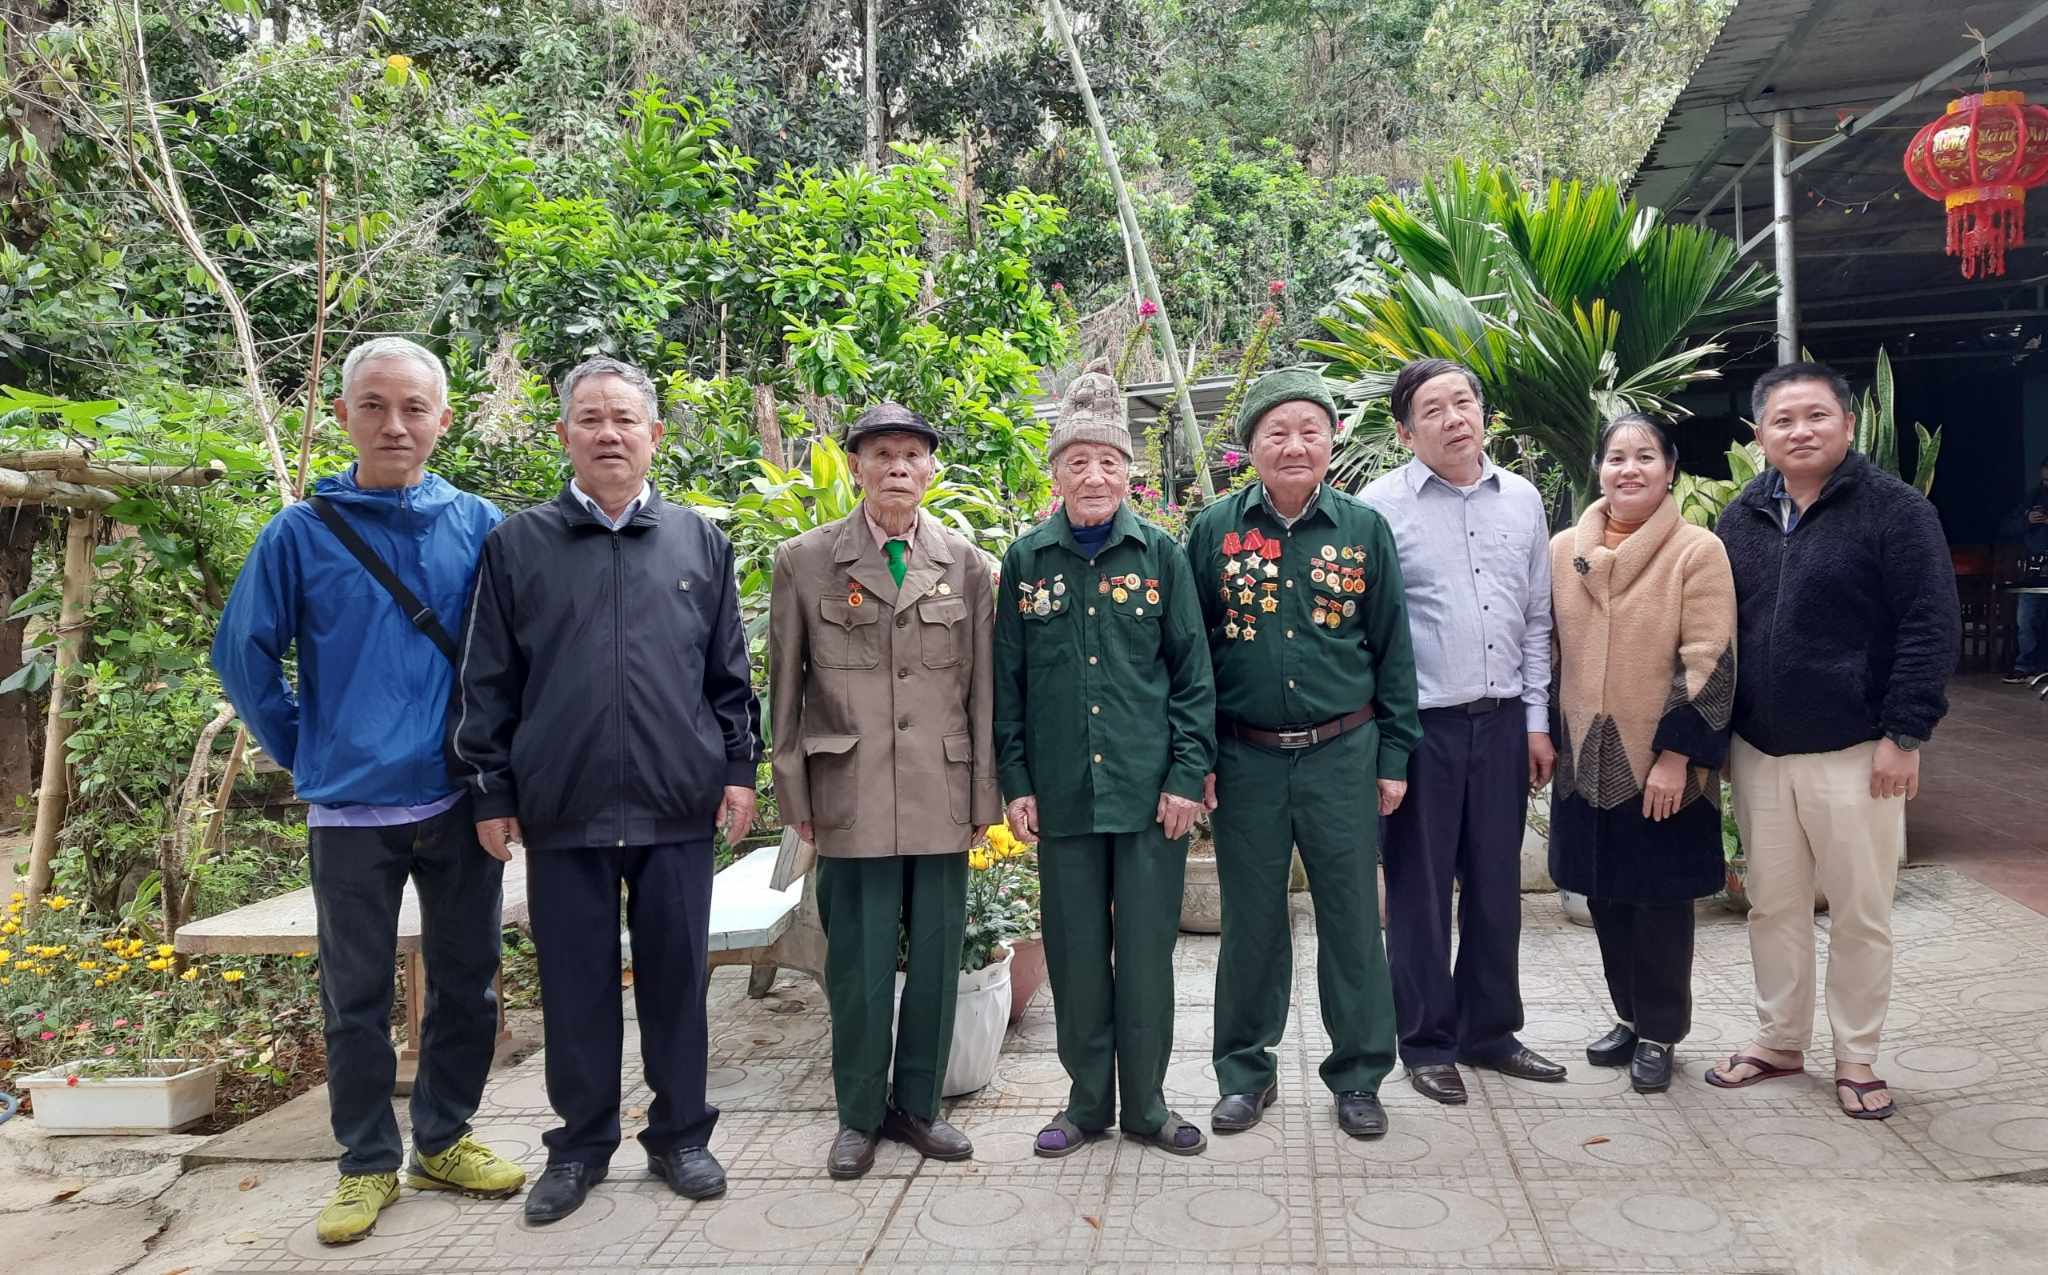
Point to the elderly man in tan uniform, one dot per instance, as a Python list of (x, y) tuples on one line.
[(883, 687)]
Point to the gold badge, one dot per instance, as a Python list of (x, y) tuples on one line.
[(1120, 595), (1152, 596)]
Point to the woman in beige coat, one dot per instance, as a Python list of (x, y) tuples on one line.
[(883, 693), (1645, 623)]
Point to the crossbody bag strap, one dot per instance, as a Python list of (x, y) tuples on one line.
[(421, 615)]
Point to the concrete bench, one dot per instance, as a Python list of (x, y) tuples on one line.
[(752, 924), (289, 923)]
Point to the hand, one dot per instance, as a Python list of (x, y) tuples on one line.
[(1542, 759), (1022, 816), (806, 832), (980, 838), (1209, 792), (1895, 773), (1665, 787), (497, 836), (1176, 815), (1391, 793), (736, 814), (2036, 516)]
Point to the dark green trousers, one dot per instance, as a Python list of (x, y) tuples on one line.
[(862, 903), (1110, 903), (1325, 801)]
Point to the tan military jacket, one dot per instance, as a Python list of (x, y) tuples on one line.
[(883, 699)]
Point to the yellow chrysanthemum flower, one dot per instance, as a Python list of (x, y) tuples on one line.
[(5, 956), (165, 949), (398, 62), (231, 976), (188, 975), (58, 902), (300, 955), (159, 964)]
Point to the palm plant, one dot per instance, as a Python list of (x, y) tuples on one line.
[(1570, 309)]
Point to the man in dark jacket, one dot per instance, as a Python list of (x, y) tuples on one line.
[(606, 720), (362, 737), (2027, 525), (1847, 630)]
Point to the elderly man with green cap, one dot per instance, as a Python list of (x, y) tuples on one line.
[(1315, 716), (1104, 732)]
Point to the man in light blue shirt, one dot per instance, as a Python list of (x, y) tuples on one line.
[(1475, 558)]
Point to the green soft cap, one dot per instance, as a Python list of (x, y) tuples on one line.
[(1288, 385)]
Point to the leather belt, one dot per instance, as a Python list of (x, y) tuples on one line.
[(1292, 737), (1473, 708)]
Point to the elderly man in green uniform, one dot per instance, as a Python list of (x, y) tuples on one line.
[(1104, 731), (1315, 716)]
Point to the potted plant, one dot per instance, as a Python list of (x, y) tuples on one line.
[(1002, 908), (1027, 960)]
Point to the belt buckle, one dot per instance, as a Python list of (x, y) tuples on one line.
[(1303, 738)]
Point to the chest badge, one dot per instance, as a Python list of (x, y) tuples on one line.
[(854, 597), (684, 585)]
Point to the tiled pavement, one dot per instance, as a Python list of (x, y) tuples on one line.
[(1584, 1176)]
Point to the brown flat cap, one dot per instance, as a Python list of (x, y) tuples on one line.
[(889, 418)]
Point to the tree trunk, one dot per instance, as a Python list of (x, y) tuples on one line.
[(21, 527), (79, 540)]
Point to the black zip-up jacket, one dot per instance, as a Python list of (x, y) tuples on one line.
[(603, 695), (1848, 627)]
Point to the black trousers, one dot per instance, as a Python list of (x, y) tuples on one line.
[(573, 901), (1647, 951), (1468, 790), (359, 877)]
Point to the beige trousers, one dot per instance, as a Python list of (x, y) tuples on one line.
[(1810, 818)]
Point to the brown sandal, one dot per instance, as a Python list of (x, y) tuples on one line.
[(1716, 1076), (1860, 1088), (1072, 1138)]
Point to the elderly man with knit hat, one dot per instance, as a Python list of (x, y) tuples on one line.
[(1315, 716), (883, 696), (1104, 731)]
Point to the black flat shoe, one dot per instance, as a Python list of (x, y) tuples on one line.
[(1236, 1112), (1361, 1115), (1523, 1064), (560, 1191), (691, 1172), (1438, 1082), (852, 1153), (1650, 1070), (1614, 1049), (932, 1139)]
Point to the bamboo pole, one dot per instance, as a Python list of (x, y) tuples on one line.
[(69, 456), (41, 489), (79, 539), (118, 475), (1134, 237), (871, 61)]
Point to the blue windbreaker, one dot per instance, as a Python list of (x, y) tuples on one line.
[(367, 722)]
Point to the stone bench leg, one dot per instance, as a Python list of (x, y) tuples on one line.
[(801, 947)]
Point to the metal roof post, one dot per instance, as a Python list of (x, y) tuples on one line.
[(1781, 225)]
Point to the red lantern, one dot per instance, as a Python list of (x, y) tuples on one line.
[(1979, 159)]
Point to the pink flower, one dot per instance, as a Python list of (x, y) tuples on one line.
[(120, 1022), (39, 1016), (1275, 288), (1232, 457), (1146, 309), (70, 1081), (1057, 286), (47, 1035)]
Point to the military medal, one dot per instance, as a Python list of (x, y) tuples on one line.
[(1232, 567), (1350, 609), (1231, 544), (1244, 597), (1269, 603), (1316, 575), (853, 594), (1152, 592), (1059, 587), (1120, 595), (1102, 584), (944, 588), (1329, 553), (1230, 628), (1317, 615), (1043, 606)]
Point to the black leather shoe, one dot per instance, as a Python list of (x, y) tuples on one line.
[(1523, 1064), (1439, 1082), (1650, 1070), (1236, 1112), (691, 1172), (560, 1191), (1361, 1115), (932, 1139), (852, 1154), (1614, 1049)]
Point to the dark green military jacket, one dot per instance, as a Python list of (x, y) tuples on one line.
[(1307, 624), (1103, 694)]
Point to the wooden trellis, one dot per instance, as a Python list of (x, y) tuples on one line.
[(69, 478)]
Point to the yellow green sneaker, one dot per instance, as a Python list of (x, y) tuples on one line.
[(352, 1213), (469, 1167)]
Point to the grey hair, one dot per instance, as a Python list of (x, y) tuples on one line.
[(395, 347), (602, 366)]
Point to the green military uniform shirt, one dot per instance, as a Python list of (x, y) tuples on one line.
[(1307, 623), (1104, 697)]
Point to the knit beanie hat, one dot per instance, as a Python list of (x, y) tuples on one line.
[(1091, 411), (1288, 385)]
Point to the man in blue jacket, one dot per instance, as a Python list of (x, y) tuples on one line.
[(363, 737), (607, 720)]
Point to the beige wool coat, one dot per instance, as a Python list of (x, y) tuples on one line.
[(883, 699)]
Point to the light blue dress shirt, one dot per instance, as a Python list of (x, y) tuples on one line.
[(1477, 568), (625, 515)]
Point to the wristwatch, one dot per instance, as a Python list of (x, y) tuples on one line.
[(1906, 743)]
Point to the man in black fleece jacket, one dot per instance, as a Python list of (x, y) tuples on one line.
[(1847, 630)]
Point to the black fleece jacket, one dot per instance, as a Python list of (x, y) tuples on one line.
[(603, 695), (1848, 627)]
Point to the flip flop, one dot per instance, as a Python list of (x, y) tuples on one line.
[(1072, 1138), (1860, 1088), (1764, 1071), (1165, 1137)]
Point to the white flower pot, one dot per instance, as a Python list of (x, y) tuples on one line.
[(981, 1014), (179, 1093), (1575, 909)]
